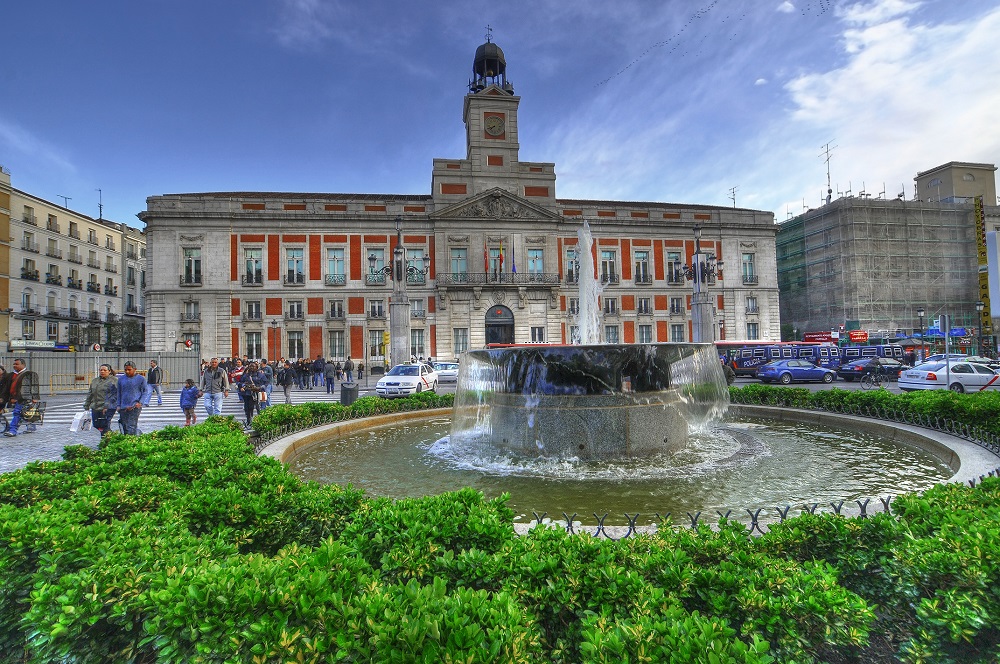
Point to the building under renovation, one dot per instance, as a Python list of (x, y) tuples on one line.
[(871, 264)]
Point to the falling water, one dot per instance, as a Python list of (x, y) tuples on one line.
[(589, 318)]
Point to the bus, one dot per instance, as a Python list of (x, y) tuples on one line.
[(745, 356)]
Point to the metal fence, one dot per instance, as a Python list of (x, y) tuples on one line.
[(72, 372)]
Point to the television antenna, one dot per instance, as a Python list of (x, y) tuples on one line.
[(732, 194), (100, 204), (827, 150), (66, 200)]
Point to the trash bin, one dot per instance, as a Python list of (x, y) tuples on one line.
[(348, 393)]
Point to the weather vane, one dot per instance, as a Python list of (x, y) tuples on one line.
[(489, 33)]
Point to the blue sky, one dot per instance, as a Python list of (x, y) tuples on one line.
[(675, 101)]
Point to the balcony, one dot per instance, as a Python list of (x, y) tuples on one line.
[(572, 277), (111, 318), (376, 314), (416, 278), (611, 312), (253, 279), (131, 255), (94, 263), (52, 226), (109, 245), (92, 239), (335, 314), (75, 258), (29, 219), (111, 267), (93, 287), (676, 311), (75, 313), (54, 279), (573, 311), (29, 311), (132, 309), (94, 316), (252, 317), (375, 279), (111, 290), (643, 279), (30, 275), (753, 310), (476, 278), (190, 280), (418, 313), (74, 283), (675, 278), (74, 233), (294, 315), (609, 278), (336, 280), (130, 282), (295, 279), (749, 279), (190, 316), (30, 246), (53, 252)]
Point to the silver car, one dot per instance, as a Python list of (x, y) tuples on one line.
[(447, 371), (958, 377)]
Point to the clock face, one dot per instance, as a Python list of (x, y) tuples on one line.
[(494, 125)]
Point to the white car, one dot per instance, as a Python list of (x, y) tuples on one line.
[(447, 371), (954, 376), (406, 379)]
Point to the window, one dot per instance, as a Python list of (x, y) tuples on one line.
[(573, 306), (335, 266), (92, 236), (376, 308), (130, 275), (461, 340), (336, 309), (572, 266), (254, 265), (537, 335), (109, 242), (677, 332), (295, 347), (50, 303), (459, 264), (192, 266), (74, 230), (251, 310), (417, 343), (192, 310), (609, 270), (337, 347), (752, 305), (610, 306), (642, 305), (130, 302), (674, 273), (376, 343), (253, 347), (753, 331), (495, 266), (574, 334), (28, 329), (642, 275), (52, 331), (417, 308), (749, 273), (27, 299), (644, 334), (295, 266), (535, 262), (611, 334), (676, 305), (295, 309), (376, 275), (28, 243)]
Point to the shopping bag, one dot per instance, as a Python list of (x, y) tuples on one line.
[(81, 421), (33, 413)]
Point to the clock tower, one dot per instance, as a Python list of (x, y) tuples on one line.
[(490, 116)]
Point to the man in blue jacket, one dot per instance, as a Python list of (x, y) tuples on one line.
[(130, 397)]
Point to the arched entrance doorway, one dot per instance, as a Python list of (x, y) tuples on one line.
[(499, 325)]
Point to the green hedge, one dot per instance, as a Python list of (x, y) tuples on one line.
[(274, 418), (183, 546)]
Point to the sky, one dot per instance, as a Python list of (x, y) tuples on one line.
[(682, 101)]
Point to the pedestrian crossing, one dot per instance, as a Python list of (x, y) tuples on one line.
[(155, 417)]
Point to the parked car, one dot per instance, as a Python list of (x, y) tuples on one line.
[(937, 357), (866, 365), (447, 371), (954, 376), (406, 379), (788, 371), (990, 362)]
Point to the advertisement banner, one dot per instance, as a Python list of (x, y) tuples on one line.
[(857, 335)]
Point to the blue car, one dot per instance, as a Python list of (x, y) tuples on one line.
[(787, 371)]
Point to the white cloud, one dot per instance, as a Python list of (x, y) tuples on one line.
[(30, 151), (305, 23), (786, 7), (760, 81)]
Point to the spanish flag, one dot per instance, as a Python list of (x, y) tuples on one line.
[(486, 258), (501, 255)]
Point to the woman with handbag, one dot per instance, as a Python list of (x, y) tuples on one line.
[(100, 397)]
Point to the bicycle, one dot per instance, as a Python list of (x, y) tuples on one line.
[(877, 378)]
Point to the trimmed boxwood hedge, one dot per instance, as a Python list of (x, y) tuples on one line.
[(183, 546)]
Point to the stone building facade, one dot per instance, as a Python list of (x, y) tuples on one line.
[(301, 274)]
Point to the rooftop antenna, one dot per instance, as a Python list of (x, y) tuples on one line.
[(849, 191), (732, 194), (862, 193), (66, 200), (489, 33), (804, 208), (100, 204), (882, 195), (827, 149)]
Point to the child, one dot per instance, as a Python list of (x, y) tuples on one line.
[(189, 399)]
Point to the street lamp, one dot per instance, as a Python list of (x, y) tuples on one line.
[(274, 337), (399, 307), (923, 332), (980, 305), (703, 270)]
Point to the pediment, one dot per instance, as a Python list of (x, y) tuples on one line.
[(495, 204)]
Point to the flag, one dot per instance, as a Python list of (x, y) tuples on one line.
[(513, 264), (486, 258), (501, 255)]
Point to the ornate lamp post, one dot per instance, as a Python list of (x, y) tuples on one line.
[(703, 270), (399, 306), (980, 305), (274, 337), (923, 332)]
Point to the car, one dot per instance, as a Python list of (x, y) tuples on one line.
[(990, 362), (954, 376), (406, 379), (787, 371), (447, 371), (937, 357), (856, 369)]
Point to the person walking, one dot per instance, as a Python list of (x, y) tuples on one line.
[(154, 377), (100, 398), (361, 371), (330, 376), (286, 379), (214, 387), (269, 373), (23, 393), (318, 365), (251, 387), (189, 399), (129, 399), (349, 370)]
